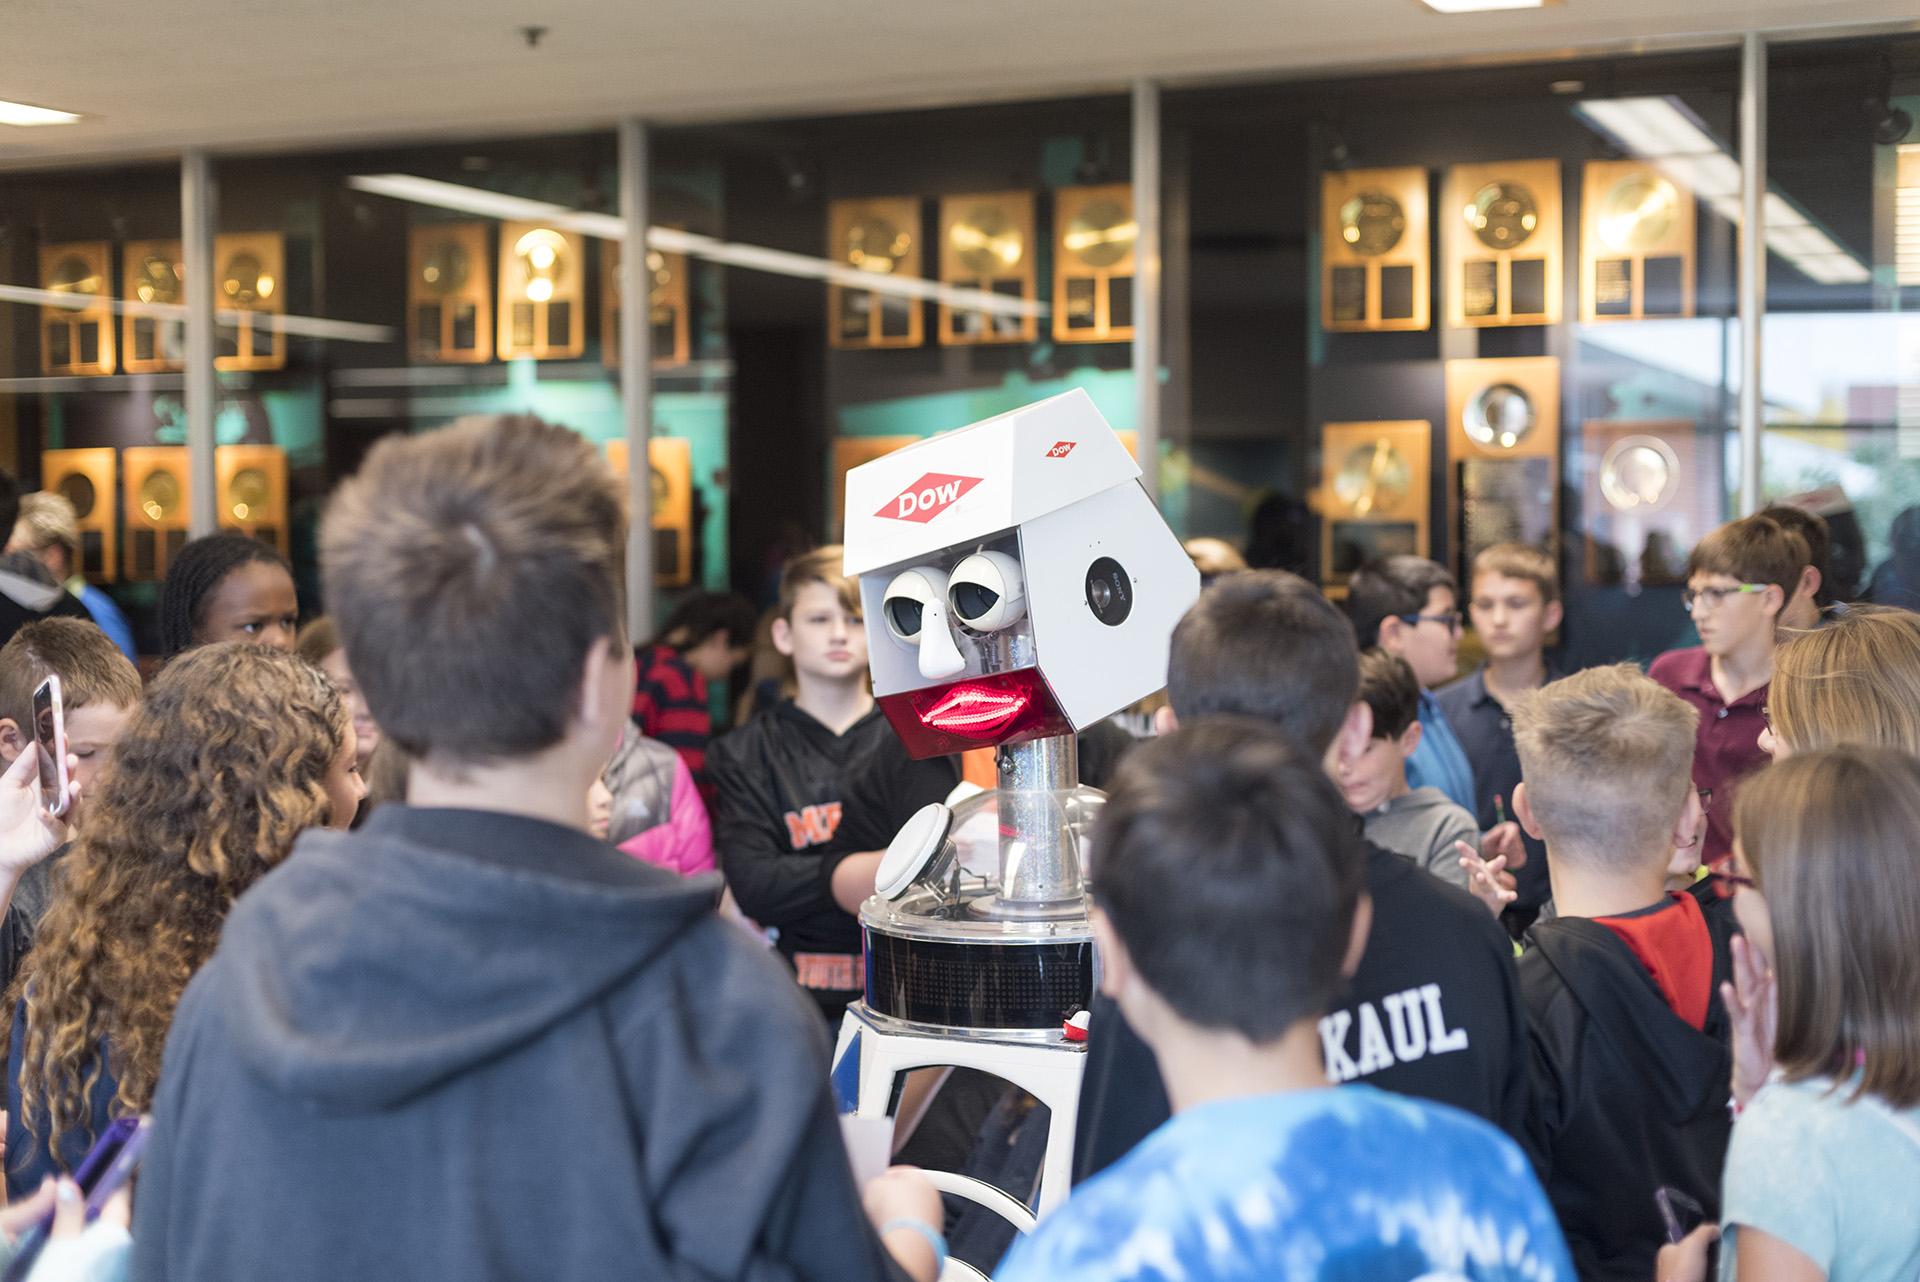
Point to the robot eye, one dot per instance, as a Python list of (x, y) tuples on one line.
[(905, 603), (903, 616), (987, 592)]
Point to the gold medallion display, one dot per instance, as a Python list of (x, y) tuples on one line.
[(1373, 496), (247, 493), (160, 495), (1094, 252), (75, 275), (1374, 241), (1638, 213), (1503, 215), (1639, 473), (446, 269), (1637, 242), (1101, 234), (876, 245), (88, 479), (987, 242), (157, 280), (1372, 223), (77, 331), (249, 279), (1372, 476), (876, 237), (1499, 416)]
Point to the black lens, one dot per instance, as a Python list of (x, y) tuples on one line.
[(1109, 592), (972, 600), (903, 613)]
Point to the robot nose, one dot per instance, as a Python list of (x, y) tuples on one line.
[(939, 656)]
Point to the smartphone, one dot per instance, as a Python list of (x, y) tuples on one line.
[(102, 1173), (50, 737), (1681, 1215)]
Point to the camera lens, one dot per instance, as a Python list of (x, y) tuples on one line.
[(1109, 592)]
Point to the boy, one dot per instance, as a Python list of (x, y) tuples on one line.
[(812, 790), (569, 1064), (1419, 823), (28, 590), (1739, 579), (1515, 604), (49, 530), (1230, 903), (706, 637), (1630, 1041), (1409, 606), (1434, 1009), (1812, 595)]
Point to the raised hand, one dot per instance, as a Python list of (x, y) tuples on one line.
[(28, 831), (1752, 1002), (1487, 879)]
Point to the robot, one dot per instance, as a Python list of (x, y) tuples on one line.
[(1018, 586)]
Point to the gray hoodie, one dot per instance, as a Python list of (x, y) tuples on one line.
[(1423, 825)]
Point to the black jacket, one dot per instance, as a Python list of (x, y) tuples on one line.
[(1433, 1011), (468, 1046), (795, 799), (1627, 1095)]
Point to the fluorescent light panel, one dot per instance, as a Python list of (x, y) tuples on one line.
[(1664, 131), (1477, 6), (19, 113)]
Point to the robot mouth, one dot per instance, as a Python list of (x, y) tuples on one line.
[(973, 711)]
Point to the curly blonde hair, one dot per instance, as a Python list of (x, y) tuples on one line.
[(222, 766)]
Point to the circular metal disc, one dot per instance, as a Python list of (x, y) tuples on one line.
[(245, 281), (1371, 478), (1639, 473), (159, 495), (78, 490), (876, 245), (1503, 215), (1500, 416), (1372, 223), (987, 243), (1101, 234), (73, 275), (158, 280), (446, 269), (247, 493), (1638, 213)]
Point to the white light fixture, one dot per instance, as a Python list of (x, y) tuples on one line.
[(19, 113), (1477, 6), (1664, 131)]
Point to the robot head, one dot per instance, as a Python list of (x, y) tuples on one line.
[(1016, 579)]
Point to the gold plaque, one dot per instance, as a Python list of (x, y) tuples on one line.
[(986, 243), (880, 236), (1636, 243), (153, 271), (1503, 450), (850, 452), (671, 341), (449, 293), (76, 335), (1373, 496), (1374, 266), (1500, 229), (671, 461), (1650, 488), (1093, 258), (249, 279), (542, 292), (157, 504), (251, 481), (88, 479)]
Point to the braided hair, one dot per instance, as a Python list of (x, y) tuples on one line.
[(201, 566)]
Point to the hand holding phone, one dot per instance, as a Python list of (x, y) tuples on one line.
[(50, 739), (103, 1172)]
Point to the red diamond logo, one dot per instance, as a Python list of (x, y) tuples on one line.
[(927, 497), (1061, 449)]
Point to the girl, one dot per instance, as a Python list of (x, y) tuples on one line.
[(227, 587), (319, 644)]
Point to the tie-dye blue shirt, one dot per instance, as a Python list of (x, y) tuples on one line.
[(1339, 1185)]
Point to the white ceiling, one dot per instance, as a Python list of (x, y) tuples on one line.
[(259, 75)]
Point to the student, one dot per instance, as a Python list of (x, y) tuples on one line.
[(1231, 901), (1806, 608), (1409, 606), (706, 637), (1419, 823), (234, 753), (1825, 1159), (812, 790), (1739, 578), (227, 587), (1856, 680), (48, 529), (1434, 1009), (1629, 1035), (572, 1068), (28, 590), (1515, 605), (653, 810), (318, 642)]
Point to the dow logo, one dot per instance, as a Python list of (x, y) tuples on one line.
[(927, 497), (1061, 449)]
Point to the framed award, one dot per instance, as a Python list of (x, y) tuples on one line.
[(158, 500), (1501, 234), (670, 340), (90, 480), (670, 460), (1093, 256), (76, 335), (1373, 499), (153, 271), (250, 275), (251, 481), (1650, 488), (882, 237), (986, 243), (1503, 444), (449, 293), (543, 289), (1636, 243), (1374, 266)]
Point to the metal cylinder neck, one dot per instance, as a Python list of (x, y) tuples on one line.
[(1039, 860)]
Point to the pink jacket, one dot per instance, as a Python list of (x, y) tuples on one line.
[(683, 841)]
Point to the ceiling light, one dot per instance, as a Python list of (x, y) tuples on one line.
[(19, 113), (1475, 6)]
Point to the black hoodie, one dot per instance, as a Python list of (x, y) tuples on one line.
[(469, 1046)]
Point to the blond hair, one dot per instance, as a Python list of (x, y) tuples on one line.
[(1607, 755), (47, 520), (1857, 680), (822, 565), (1829, 839), (1518, 561)]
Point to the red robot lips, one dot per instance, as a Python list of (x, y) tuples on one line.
[(976, 712)]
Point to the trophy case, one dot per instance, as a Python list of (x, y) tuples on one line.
[(542, 292), (153, 272), (1502, 237), (1374, 268), (670, 340), (670, 461), (157, 507), (76, 335), (1650, 488), (986, 243), (1503, 444), (449, 293), (880, 236), (1636, 243), (251, 481), (1374, 495), (89, 480), (249, 296), (1095, 239)]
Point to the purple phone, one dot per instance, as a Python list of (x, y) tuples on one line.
[(101, 1174)]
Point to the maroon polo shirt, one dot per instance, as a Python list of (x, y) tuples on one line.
[(1727, 748)]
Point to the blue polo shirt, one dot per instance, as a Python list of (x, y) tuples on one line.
[(1440, 762)]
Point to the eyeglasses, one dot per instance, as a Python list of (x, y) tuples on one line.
[(1451, 620), (1715, 597), (1732, 881), (1706, 798)]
